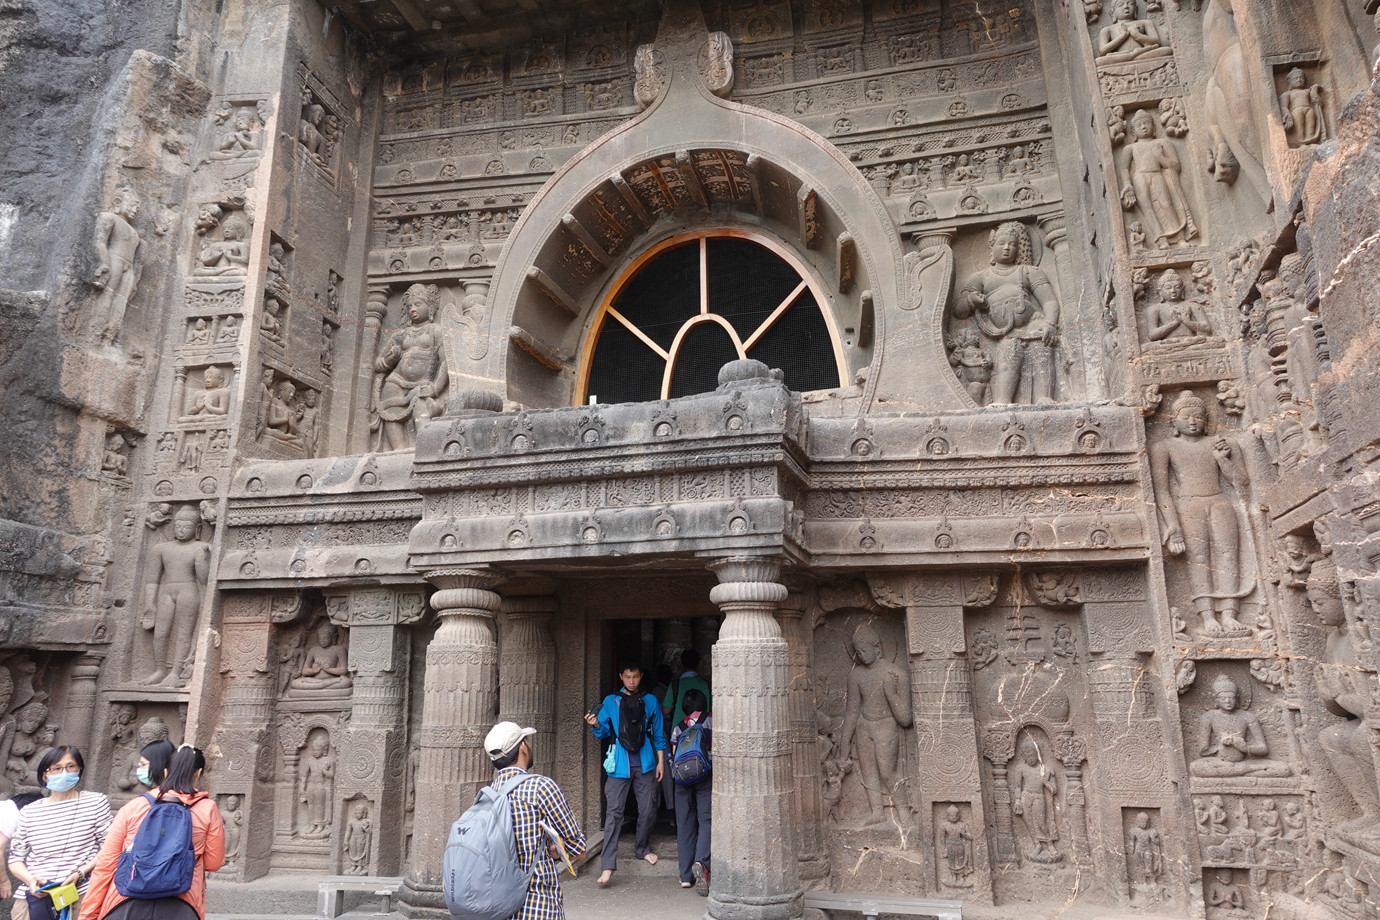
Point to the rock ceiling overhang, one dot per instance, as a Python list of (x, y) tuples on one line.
[(485, 24)]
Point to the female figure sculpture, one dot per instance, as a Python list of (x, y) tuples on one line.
[(1015, 309), (410, 376)]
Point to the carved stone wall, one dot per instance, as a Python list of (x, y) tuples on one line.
[(1067, 591)]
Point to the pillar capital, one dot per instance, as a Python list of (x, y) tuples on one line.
[(739, 569), (530, 605), (465, 591), (377, 306)]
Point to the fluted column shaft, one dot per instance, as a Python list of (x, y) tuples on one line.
[(527, 674), (459, 703), (374, 312), (755, 874), (804, 738)]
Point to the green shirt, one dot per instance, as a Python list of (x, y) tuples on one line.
[(681, 685)]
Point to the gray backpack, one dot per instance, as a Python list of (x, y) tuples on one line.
[(481, 876)]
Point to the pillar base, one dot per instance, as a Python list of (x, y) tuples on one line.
[(813, 868), (425, 902), (769, 907)]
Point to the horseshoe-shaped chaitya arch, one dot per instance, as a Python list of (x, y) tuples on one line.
[(718, 165)]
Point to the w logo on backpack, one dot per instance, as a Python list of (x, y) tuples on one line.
[(480, 873), (160, 861), (693, 759)]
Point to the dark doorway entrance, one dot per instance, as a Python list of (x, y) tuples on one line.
[(657, 644)]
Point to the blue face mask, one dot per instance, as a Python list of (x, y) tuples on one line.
[(142, 775), (63, 782)]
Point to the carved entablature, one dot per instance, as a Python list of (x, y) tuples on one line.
[(488, 490), (376, 606), (294, 523)]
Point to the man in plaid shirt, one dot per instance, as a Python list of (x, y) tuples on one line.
[(538, 799)]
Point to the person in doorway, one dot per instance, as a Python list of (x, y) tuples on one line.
[(178, 783), (636, 760), (535, 802), (672, 706), (693, 809)]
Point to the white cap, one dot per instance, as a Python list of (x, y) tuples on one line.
[(503, 738)]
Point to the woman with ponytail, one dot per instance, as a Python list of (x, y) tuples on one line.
[(104, 899), (153, 763)]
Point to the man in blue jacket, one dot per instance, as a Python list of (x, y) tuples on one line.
[(633, 720)]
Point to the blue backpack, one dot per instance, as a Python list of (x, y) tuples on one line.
[(480, 873), (160, 861), (694, 758)]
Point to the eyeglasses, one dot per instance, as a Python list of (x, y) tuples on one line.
[(70, 768)]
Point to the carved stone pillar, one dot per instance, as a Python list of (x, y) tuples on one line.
[(1129, 712), (242, 752), (1072, 754), (81, 702), (755, 873), (1090, 328), (814, 864), (374, 770), (999, 747), (527, 673), (374, 312), (179, 394), (945, 723), (459, 705)]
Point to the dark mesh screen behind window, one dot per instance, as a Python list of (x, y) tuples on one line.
[(705, 348), (665, 293), (624, 369), (799, 344), (746, 282)]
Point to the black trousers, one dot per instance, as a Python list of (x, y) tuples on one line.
[(152, 909)]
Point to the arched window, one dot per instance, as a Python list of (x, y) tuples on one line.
[(698, 301)]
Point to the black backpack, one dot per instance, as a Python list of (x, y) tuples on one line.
[(632, 722)]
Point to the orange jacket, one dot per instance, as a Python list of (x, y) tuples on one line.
[(208, 839)]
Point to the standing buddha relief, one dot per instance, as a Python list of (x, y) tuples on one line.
[(118, 248), (1301, 109), (1015, 310), (1195, 476), (1152, 182), (1034, 788), (177, 575), (878, 708)]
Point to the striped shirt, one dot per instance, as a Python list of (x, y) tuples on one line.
[(540, 799), (53, 838)]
